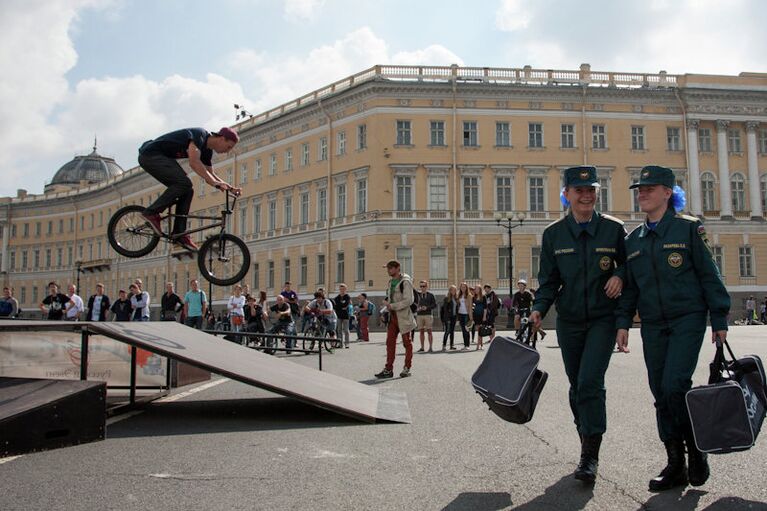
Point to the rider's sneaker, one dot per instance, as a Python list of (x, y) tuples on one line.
[(154, 222), (186, 242), (405, 372), (386, 373)]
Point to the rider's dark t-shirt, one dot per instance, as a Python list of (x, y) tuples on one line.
[(175, 144), (56, 305), (282, 307), (522, 300)]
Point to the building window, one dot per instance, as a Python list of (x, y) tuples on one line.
[(470, 138), (704, 140), (471, 193), (535, 261), (243, 173), (362, 137), (360, 265), (13, 261), (59, 258), (288, 213), (243, 220), (745, 257), (340, 267), (50, 223), (737, 184), (718, 256), (272, 164), (437, 133), (341, 142), (303, 271), (471, 263), (304, 213), (438, 193), (438, 264), (362, 195), (48, 258), (288, 160), (257, 173), (503, 262), (305, 154), (256, 278), (637, 138), (36, 258), (733, 140), (707, 191), (504, 194), (270, 275), (257, 218), (35, 294), (322, 204), (23, 297), (340, 202), (286, 270), (603, 195), (673, 142), (405, 257), (404, 135), (503, 134), (320, 268), (322, 149), (272, 215), (404, 193), (763, 192), (598, 136), (568, 136), (537, 188), (763, 141), (26, 230), (535, 134), (61, 226)]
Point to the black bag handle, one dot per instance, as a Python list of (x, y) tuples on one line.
[(528, 328)]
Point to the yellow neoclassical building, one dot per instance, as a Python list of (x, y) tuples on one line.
[(414, 163)]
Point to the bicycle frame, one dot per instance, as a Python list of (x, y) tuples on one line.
[(222, 219)]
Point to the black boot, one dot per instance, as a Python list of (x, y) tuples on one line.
[(675, 473), (587, 468), (698, 470)]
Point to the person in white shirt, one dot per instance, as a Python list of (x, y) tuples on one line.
[(75, 305), (235, 308), (139, 301), (98, 304)]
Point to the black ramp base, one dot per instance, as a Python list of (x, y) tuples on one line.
[(174, 340), (40, 414)]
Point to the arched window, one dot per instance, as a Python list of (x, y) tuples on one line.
[(738, 189), (707, 191)]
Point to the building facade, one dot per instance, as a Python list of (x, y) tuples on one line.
[(413, 163)]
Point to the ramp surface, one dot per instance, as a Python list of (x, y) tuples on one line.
[(249, 366)]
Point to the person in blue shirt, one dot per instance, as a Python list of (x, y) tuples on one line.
[(159, 158)]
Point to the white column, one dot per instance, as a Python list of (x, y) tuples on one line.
[(692, 148), (753, 172), (725, 199)]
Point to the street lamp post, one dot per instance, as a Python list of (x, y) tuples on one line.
[(79, 269), (510, 220)]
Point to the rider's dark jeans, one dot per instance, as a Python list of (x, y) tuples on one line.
[(180, 191)]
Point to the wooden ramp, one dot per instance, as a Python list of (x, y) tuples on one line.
[(173, 340)]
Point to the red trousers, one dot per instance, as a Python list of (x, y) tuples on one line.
[(364, 332), (391, 343)]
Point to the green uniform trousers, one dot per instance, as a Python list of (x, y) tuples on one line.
[(671, 354), (586, 351)]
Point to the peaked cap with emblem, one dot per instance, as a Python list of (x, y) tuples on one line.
[(655, 175), (584, 175)]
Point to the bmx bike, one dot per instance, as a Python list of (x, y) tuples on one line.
[(223, 259), (316, 329)]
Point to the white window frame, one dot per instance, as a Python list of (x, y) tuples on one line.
[(437, 133), (273, 164), (673, 138), (738, 192), (340, 200), (289, 159), (567, 136), (704, 191), (444, 204), (638, 138), (305, 151), (470, 134), (502, 134), (535, 139), (476, 188), (467, 258), (322, 149), (598, 136), (362, 137), (438, 264), (405, 257), (341, 143), (409, 198), (734, 144), (403, 132), (304, 206), (362, 195)]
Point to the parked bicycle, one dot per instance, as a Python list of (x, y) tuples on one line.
[(223, 259)]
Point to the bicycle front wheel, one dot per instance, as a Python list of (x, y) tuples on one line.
[(130, 234), (223, 259)]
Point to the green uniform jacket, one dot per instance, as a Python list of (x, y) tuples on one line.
[(576, 264), (670, 272)]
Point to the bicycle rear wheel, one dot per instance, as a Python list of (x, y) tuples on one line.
[(223, 259), (130, 234)]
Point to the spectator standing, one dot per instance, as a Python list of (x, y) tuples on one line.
[(9, 306), (170, 304), (366, 310), (424, 314), (521, 302), (448, 314), (140, 301), (121, 308), (464, 311), (750, 310), (55, 303), (763, 311), (400, 293), (75, 306), (492, 305), (342, 302), (235, 306), (477, 312), (292, 298), (195, 306), (98, 304)]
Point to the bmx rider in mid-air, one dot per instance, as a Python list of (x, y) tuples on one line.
[(159, 158)]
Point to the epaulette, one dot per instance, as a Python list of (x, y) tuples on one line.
[(555, 222), (689, 218), (612, 218)]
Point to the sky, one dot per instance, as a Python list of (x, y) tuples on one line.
[(126, 71)]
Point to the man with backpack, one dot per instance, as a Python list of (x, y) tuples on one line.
[(401, 298), (9, 306)]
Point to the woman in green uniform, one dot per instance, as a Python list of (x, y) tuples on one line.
[(671, 249), (581, 271)]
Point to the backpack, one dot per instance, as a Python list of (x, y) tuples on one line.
[(6, 308), (414, 305), (371, 309)]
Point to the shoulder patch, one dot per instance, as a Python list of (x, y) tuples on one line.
[(612, 218), (689, 218)]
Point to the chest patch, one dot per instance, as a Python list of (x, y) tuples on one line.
[(675, 259), (605, 263), (561, 251)]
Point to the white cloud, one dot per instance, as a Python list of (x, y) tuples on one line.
[(434, 55), (302, 10), (512, 15)]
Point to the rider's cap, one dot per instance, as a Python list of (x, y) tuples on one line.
[(228, 134), (392, 263), (584, 175), (655, 175), (522, 281)]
